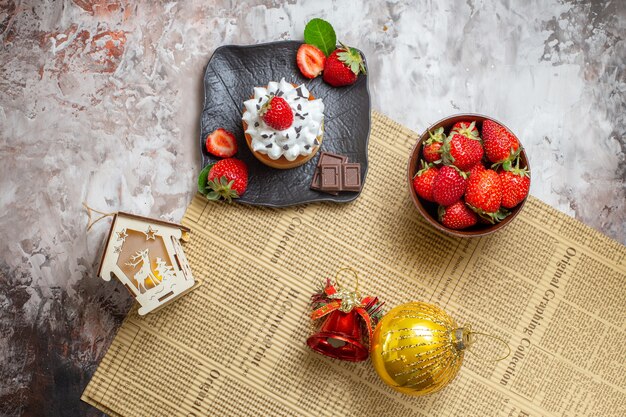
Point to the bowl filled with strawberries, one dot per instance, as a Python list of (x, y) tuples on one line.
[(468, 175)]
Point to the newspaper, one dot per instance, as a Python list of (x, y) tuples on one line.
[(553, 288)]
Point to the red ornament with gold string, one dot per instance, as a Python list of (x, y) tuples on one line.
[(349, 319)]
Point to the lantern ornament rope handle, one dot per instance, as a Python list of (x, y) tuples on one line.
[(356, 280), (90, 212)]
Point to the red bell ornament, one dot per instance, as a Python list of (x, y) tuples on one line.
[(347, 315), (340, 337)]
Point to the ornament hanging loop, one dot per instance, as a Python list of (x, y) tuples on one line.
[(90, 212), (356, 279), (472, 339)]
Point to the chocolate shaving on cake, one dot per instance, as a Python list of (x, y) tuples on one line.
[(286, 147), (269, 145), (256, 124), (299, 106)]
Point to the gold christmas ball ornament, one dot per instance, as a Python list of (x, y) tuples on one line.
[(417, 348)]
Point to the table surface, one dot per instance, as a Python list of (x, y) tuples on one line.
[(100, 102)]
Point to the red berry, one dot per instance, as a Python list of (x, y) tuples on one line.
[(432, 152), (449, 186), (457, 216), (500, 144), (423, 181), (479, 167), (221, 143), (466, 128), (462, 152), (343, 66), (432, 146), (228, 179), (277, 114), (310, 60), (515, 185), (484, 193)]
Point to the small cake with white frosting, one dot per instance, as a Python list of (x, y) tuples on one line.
[(283, 124)]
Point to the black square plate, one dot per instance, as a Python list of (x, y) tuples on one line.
[(231, 74)]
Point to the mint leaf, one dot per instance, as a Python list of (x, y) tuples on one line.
[(320, 33), (202, 179)]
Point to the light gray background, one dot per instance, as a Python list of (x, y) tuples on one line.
[(100, 100)]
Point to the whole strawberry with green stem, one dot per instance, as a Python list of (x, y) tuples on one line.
[(277, 113), (343, 66), (432, 146), (515, 185), (424, 179), (501, 146), (457, 216), (483, 194), (466, 128), (449, 185), (461, 151), (227, 179)]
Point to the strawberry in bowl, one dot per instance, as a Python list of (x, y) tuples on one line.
[(468, 175)]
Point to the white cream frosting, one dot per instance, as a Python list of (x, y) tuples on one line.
[(298, 139)]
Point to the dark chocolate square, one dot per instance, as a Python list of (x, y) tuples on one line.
[(331, 177), (316, 183), (327, 158), (351, 178)]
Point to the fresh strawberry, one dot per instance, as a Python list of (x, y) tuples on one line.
[(228, 179), (457, 216), (449, 185), (462, 152), (467, 129), (432, 152), (343, 66), (276, 113), (479, 167), (484, 195), (515, 185), (432, 146), (423, 181), (500, 145), (310, 60), (221, 143)]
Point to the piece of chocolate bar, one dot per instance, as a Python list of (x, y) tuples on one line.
[(351, 178), (331, 158), (330, 177), (316, 183)]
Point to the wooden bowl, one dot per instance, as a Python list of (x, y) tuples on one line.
[(429, 209)]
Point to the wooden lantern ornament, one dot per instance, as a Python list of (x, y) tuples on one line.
[(147, 257)]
